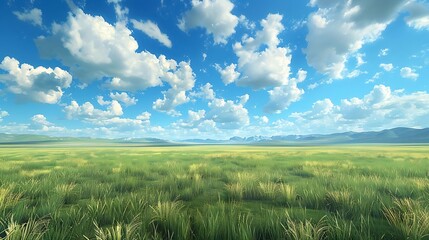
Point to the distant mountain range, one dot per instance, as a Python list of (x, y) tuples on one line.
[(395, 135), (43, 139)]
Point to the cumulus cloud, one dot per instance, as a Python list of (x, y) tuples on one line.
[(144, 116), (246, 22), (40, 123), (152, 30), (340, 28), (383, 52), (214, 16), (281, 97), (262, 119), (418, 15), (101, 101), (243, 99), (124, 98), (121, 13), (182, 80), (320, 109), (93, 49), (33, 16), (3, 114), (379, 109), (387, 66), (109, 118), (114, 127), (221, 113), (227, 114), (228, 74), (263, 64), (122, 124), (205, 91), (38, 84), (40, 119), (359, 59), (88, 112), (196, 120), (407, 72), (268, 67)]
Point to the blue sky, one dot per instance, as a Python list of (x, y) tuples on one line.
[(212, 68)]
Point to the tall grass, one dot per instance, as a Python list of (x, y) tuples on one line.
[(31, 230), (345, 192), (306, 230), (8, 199), (223, 221), (119, 231), (170, 221), (409, 218)]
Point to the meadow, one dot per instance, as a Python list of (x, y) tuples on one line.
[(214, 192)]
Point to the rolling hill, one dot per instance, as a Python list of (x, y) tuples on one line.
[(394, 135)]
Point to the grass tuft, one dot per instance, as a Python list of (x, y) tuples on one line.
[(409, 218)]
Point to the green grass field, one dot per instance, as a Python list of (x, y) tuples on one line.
[(215, 192)]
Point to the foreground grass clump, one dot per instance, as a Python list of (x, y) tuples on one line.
[(410, 218), (215, 192)]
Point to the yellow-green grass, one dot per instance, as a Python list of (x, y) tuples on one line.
[(215, 192)]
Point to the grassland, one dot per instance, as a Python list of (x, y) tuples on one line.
[(215, 192)]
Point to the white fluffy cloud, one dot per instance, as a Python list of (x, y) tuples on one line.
[(359, 59), (33, 16), (228, 74), (182, 80), (213, 15), (380, 109), (221, 113), (268, 67), (95, 49), (144, 116), (418, 15), (114, 127), (281, 97), (109, 118), (124, 98), (387, 66), (204, 92), (320, 109), (40, 123), (340, 28), (121, 13), (153, 31), (3, 114), (196, 120), (227, 114), (89, 113), (40, 119), (407, 72), (383, 52), (263, 64), (262, 119), (246, 22), (38, 84)]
